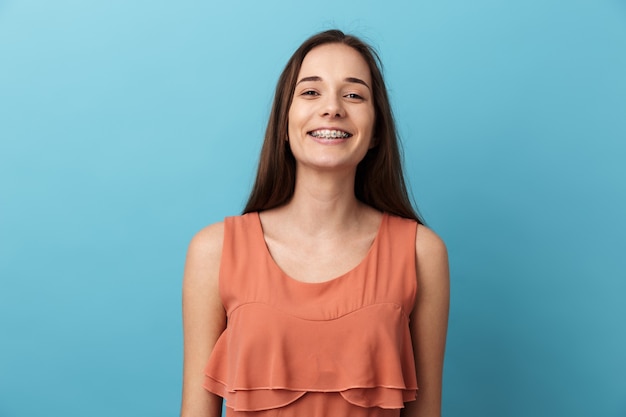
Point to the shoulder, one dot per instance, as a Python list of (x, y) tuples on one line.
[(432, 257), (205, 251), (208, 240), (428, 243)]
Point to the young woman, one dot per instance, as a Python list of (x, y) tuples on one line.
[(328, 297)]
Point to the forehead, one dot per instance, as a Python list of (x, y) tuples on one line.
[(335, 60)]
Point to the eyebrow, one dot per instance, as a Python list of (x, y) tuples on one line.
[(348, 79)]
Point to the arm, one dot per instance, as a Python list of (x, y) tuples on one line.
[(429, 323), (204, 320)]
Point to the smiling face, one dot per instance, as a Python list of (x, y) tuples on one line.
[(331, 118)]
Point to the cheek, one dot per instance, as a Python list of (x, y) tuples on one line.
[(296, 119), (370, 121), (292, 117)]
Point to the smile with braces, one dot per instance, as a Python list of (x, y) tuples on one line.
[(330, 134)]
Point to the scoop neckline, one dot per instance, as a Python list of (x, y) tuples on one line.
[(363, 261)]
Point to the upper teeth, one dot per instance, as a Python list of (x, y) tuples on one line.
[(327, 133)]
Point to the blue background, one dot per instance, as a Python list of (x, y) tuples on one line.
[(125, 127)]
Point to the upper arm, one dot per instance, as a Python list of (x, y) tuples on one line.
[(429, 322), (204, 319)]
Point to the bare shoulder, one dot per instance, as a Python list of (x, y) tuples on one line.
[(429, 243), (204, 317), (432, 256), (204, 253), (208, 241), (429, 321)]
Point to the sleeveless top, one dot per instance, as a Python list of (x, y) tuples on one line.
[(335, 348)]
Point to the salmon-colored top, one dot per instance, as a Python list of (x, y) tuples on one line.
[(340, 347)]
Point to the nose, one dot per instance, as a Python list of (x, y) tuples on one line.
[(332, 107)]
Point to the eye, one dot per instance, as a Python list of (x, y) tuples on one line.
[(353, 96), (310, 93)]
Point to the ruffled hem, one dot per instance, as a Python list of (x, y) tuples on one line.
[(270, 398), (366, 359)]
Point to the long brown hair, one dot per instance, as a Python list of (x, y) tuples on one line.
[(379, 180)]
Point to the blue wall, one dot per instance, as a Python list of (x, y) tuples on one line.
[(127, 126)]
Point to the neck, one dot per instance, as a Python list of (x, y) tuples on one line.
[(324, 201)]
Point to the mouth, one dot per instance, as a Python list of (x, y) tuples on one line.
[(330, 134)]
